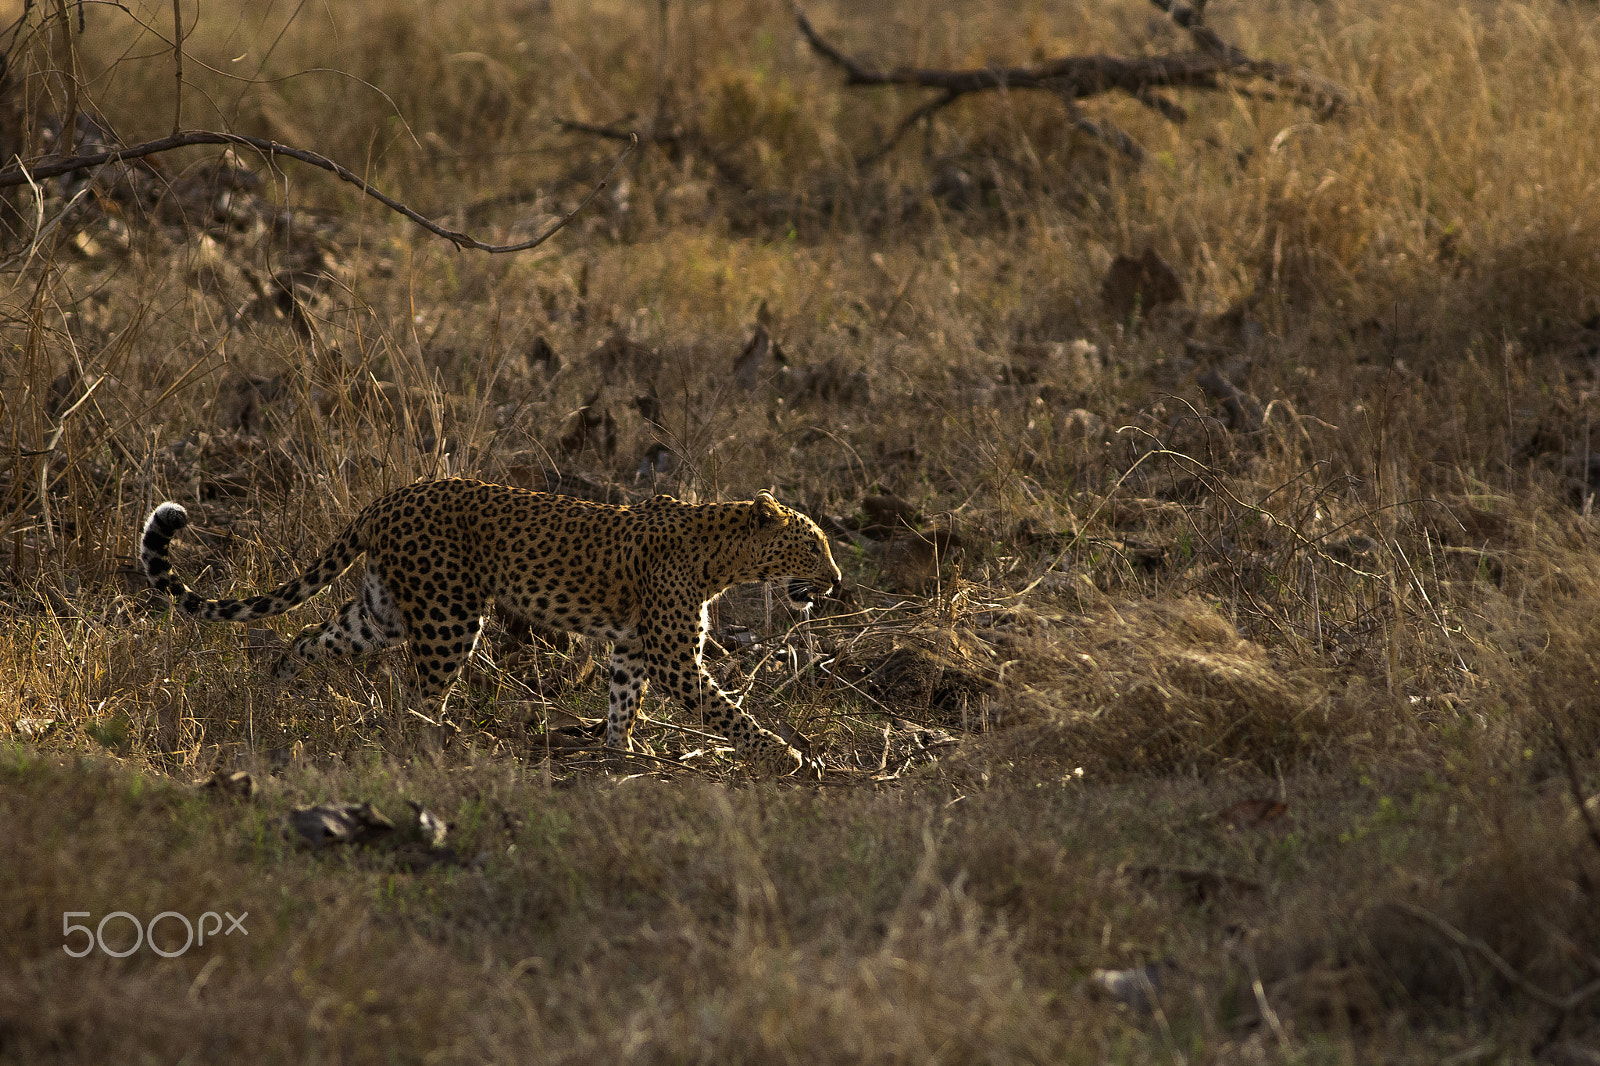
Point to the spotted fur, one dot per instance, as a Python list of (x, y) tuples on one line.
[(440, 552)]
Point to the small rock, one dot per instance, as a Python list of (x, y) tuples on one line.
[(34, 728), (1082, 425), (1138, 988), (234, 784), (339, 823), (430, 827)]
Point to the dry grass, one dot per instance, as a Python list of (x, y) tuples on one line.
[(1089, 610)]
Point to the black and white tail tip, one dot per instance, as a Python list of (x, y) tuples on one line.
[(159, 529)]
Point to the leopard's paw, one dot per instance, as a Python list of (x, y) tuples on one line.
[(777, 758)]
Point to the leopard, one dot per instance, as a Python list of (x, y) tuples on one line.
[(641, 576)]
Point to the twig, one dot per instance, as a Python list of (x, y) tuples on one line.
[(14, 174), (644, 756), (1263, 1007), (613, 132), (41, 230), (1574, 782), (907, 124), (1438, 616), (675, 136), (1492, 957), (715, 738), (69, 125)]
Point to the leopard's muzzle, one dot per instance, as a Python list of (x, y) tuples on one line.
[(804, 593)]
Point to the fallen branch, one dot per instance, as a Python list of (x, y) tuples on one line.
[(14, 174), (1213, 65)]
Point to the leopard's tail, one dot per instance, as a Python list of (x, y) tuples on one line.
[(165, 522)]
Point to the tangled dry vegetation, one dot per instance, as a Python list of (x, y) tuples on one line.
[(1209, 460)]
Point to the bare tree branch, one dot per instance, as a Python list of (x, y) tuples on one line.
[(14, 174), (1461, 940), (1213, 65)]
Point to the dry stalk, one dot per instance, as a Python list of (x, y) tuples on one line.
[(41, 229), (177, 64)]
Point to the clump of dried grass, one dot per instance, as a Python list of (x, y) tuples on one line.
[(1170, 687)]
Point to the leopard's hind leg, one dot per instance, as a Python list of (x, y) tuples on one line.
[(366, 623), (439, 645)]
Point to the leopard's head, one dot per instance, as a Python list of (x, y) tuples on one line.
[(791, 548)]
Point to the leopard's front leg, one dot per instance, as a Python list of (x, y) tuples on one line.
[(677, 668)]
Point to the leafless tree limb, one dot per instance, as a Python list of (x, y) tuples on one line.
[(14, 174), (1565, 1003), (1212, 65)]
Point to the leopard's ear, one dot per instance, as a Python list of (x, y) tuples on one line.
[(768, 511)]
